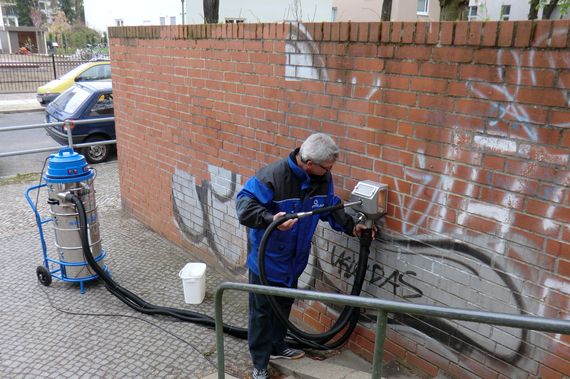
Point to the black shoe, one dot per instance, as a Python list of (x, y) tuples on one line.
[(288, 353), (260, 373)]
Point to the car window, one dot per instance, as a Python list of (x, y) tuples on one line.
[(73, 73), (105, 71), (103, 106), (71, 100), (94, 73)]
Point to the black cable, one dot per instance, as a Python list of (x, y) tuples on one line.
[(131, 299), (349, 315), (51, 303)]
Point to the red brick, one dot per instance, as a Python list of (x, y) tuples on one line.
[(535, 225), (461, 33), (353, 31), (413, 52), (421, 33), (374, 32), (408, 32), (564, 268), (452, 54), (541, 33), (523, 33), (545, 372), (344, 31), (396, 33), (506, 33), (428, 84), (480, 73), (435, 102), (438, 70), (475, 33), (422, 365), (560, 30), (433, 33), (385, 31), (490, 33), (446, 37)]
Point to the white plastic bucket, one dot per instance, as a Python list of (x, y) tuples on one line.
[(193, 277)]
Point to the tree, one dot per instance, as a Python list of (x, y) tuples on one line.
[(452, 10), (386, 10), (79, 12), (68, 8), (24, 11), (547, 6), (211, 11)]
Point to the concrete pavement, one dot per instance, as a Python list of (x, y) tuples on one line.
[(19, 102), (55, 331)]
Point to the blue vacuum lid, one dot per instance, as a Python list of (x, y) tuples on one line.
[(67, 166)]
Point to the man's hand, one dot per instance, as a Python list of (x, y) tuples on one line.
[(287, 224), (359, 228)]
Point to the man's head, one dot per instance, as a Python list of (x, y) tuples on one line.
[(318, 154)]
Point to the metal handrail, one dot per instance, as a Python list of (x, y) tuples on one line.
[(69, 136), (383, 307)]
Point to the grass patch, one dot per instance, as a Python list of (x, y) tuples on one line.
[(20, 178)]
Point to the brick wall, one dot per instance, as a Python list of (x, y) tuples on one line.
[(468, 123)]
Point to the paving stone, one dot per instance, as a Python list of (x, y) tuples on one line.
[(55, 331)]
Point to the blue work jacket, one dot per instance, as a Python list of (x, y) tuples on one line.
[(284, 187)]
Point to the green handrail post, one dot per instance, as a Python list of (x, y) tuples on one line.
[(219, 332), (378, 357)]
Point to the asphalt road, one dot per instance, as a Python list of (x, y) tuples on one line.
[(23, 140)]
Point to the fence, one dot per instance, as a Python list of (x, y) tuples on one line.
[(69, 136), (383, 307), (25, 73)]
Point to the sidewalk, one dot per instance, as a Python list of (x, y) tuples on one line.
[(19, 102), (54, 331)]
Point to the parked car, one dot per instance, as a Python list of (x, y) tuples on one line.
[(84, 101), (97, 70)]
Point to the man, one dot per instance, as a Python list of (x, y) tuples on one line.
[(300, 183)]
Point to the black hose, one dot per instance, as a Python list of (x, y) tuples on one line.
[(131, 299), (349, 315)]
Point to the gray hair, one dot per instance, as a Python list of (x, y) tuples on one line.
[(319, 148)]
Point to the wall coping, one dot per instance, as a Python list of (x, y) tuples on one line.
[(521, 34)]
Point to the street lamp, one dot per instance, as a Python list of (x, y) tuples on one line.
[(182, 11)]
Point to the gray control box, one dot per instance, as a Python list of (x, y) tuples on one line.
[(373, 197)]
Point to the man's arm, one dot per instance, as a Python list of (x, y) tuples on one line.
[(252, 204)]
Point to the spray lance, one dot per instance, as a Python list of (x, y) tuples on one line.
[(369, 200)]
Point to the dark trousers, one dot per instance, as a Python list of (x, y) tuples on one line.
[(266, 334)]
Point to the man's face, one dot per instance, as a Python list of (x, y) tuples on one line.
[(319, 169)]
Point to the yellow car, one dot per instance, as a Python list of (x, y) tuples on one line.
[(99, 70)]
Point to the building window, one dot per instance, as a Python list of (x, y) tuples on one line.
[(163, 21), (472, 12), (172, 20), (423, 7), (233, 20), (505, 12), (119, 22), (334, 14)]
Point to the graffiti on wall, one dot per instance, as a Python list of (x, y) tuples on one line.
[(455, 268), (489, 263), (205, 215)]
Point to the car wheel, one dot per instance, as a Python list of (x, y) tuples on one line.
[(97, 153)]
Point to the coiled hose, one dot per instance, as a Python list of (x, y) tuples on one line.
[(349, 315)]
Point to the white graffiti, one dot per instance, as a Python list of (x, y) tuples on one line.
[(516, 133)]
